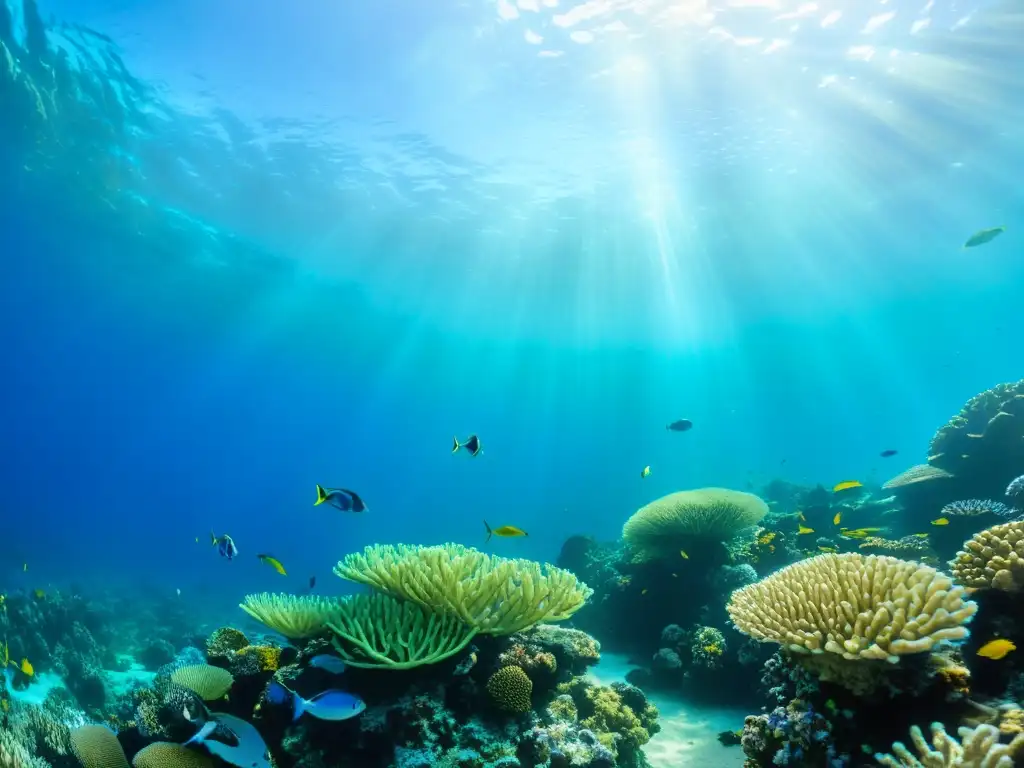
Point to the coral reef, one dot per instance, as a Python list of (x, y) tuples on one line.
[(978, 748), (682, 519), (993, 558)]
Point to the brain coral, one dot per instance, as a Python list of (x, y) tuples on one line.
[(163, 754), (717, 514), (96, 746), (208, 682), (856, 606), (993, 558), (510, 689)]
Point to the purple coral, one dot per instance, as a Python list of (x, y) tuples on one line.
[(974, 507)]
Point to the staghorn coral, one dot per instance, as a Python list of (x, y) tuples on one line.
[(383, 632), (992, 559), (510, 688), (490, 594), (294, 616), (856, 606), (978, 748), (96, 746), (208, 682), (976, 507), (662, 527), (164, 754)]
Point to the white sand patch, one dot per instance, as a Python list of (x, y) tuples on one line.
[(689, 732), (119, 683)]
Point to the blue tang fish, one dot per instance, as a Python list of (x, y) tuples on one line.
[(332, 704), (225, 546), (339, 498), (328, 662), (251, 750)]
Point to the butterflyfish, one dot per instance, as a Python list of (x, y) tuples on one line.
[(997, 649), (504, 532)]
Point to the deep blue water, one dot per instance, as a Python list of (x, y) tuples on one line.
[(316, 244)]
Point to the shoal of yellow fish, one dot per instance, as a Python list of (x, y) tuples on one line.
[(997, 649)]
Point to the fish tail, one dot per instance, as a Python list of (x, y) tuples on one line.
[(213, 539), (321, 495), (298, 706), (455, 444), (489, 532)]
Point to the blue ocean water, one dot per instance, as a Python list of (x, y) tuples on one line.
[(252, 247)]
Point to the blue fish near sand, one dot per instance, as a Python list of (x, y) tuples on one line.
[(328, 663), (251, 750), (332, 704)]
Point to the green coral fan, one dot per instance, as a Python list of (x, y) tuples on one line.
[(979, 748), (855, 606), (96, 746), (992, 559), (225, 641), (380, 631), (163, 754), (492, 595), (510, 689), (295, 617), (663, 527), (208, 682)]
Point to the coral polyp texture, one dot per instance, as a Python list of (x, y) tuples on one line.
[(490, 594), (510, 688), (96, 746), (296, 617), (978, 748), (163, 754), (987, 430), (993, 559), (855, 606), (208, 682), (382, 631), (660, 528)]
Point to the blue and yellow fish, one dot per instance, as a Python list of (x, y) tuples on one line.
[(225, 546), (341, 499)]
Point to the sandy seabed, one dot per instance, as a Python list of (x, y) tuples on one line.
[(689, 733)]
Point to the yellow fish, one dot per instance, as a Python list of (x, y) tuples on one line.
[(505, 531), (941, 521), (682, 553), (996, 649), (5, 705), (273, 562), (645, 472), (920, 535), (832, 550), (857, 533), (40, 594), (837, 519), (802, 529), (26, 668), (847, 485)]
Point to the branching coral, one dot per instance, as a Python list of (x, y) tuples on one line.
[(380, 631), (976, 507), (662, 527), (979, 748), (855, 606), (490, 594), (993, 558), (296, 617)]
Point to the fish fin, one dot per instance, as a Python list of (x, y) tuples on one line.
[(321, 495), (298, 706), (213, 539), (455, 444), (489, 532)]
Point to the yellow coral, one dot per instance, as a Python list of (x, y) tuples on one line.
[(490, 594), (296, 617), (268, 657), (511, 689), (854, 606), (662, 527), (979, 748), (1012, 721), (993, 558)]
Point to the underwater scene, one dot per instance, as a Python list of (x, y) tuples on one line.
[(512, 384)]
